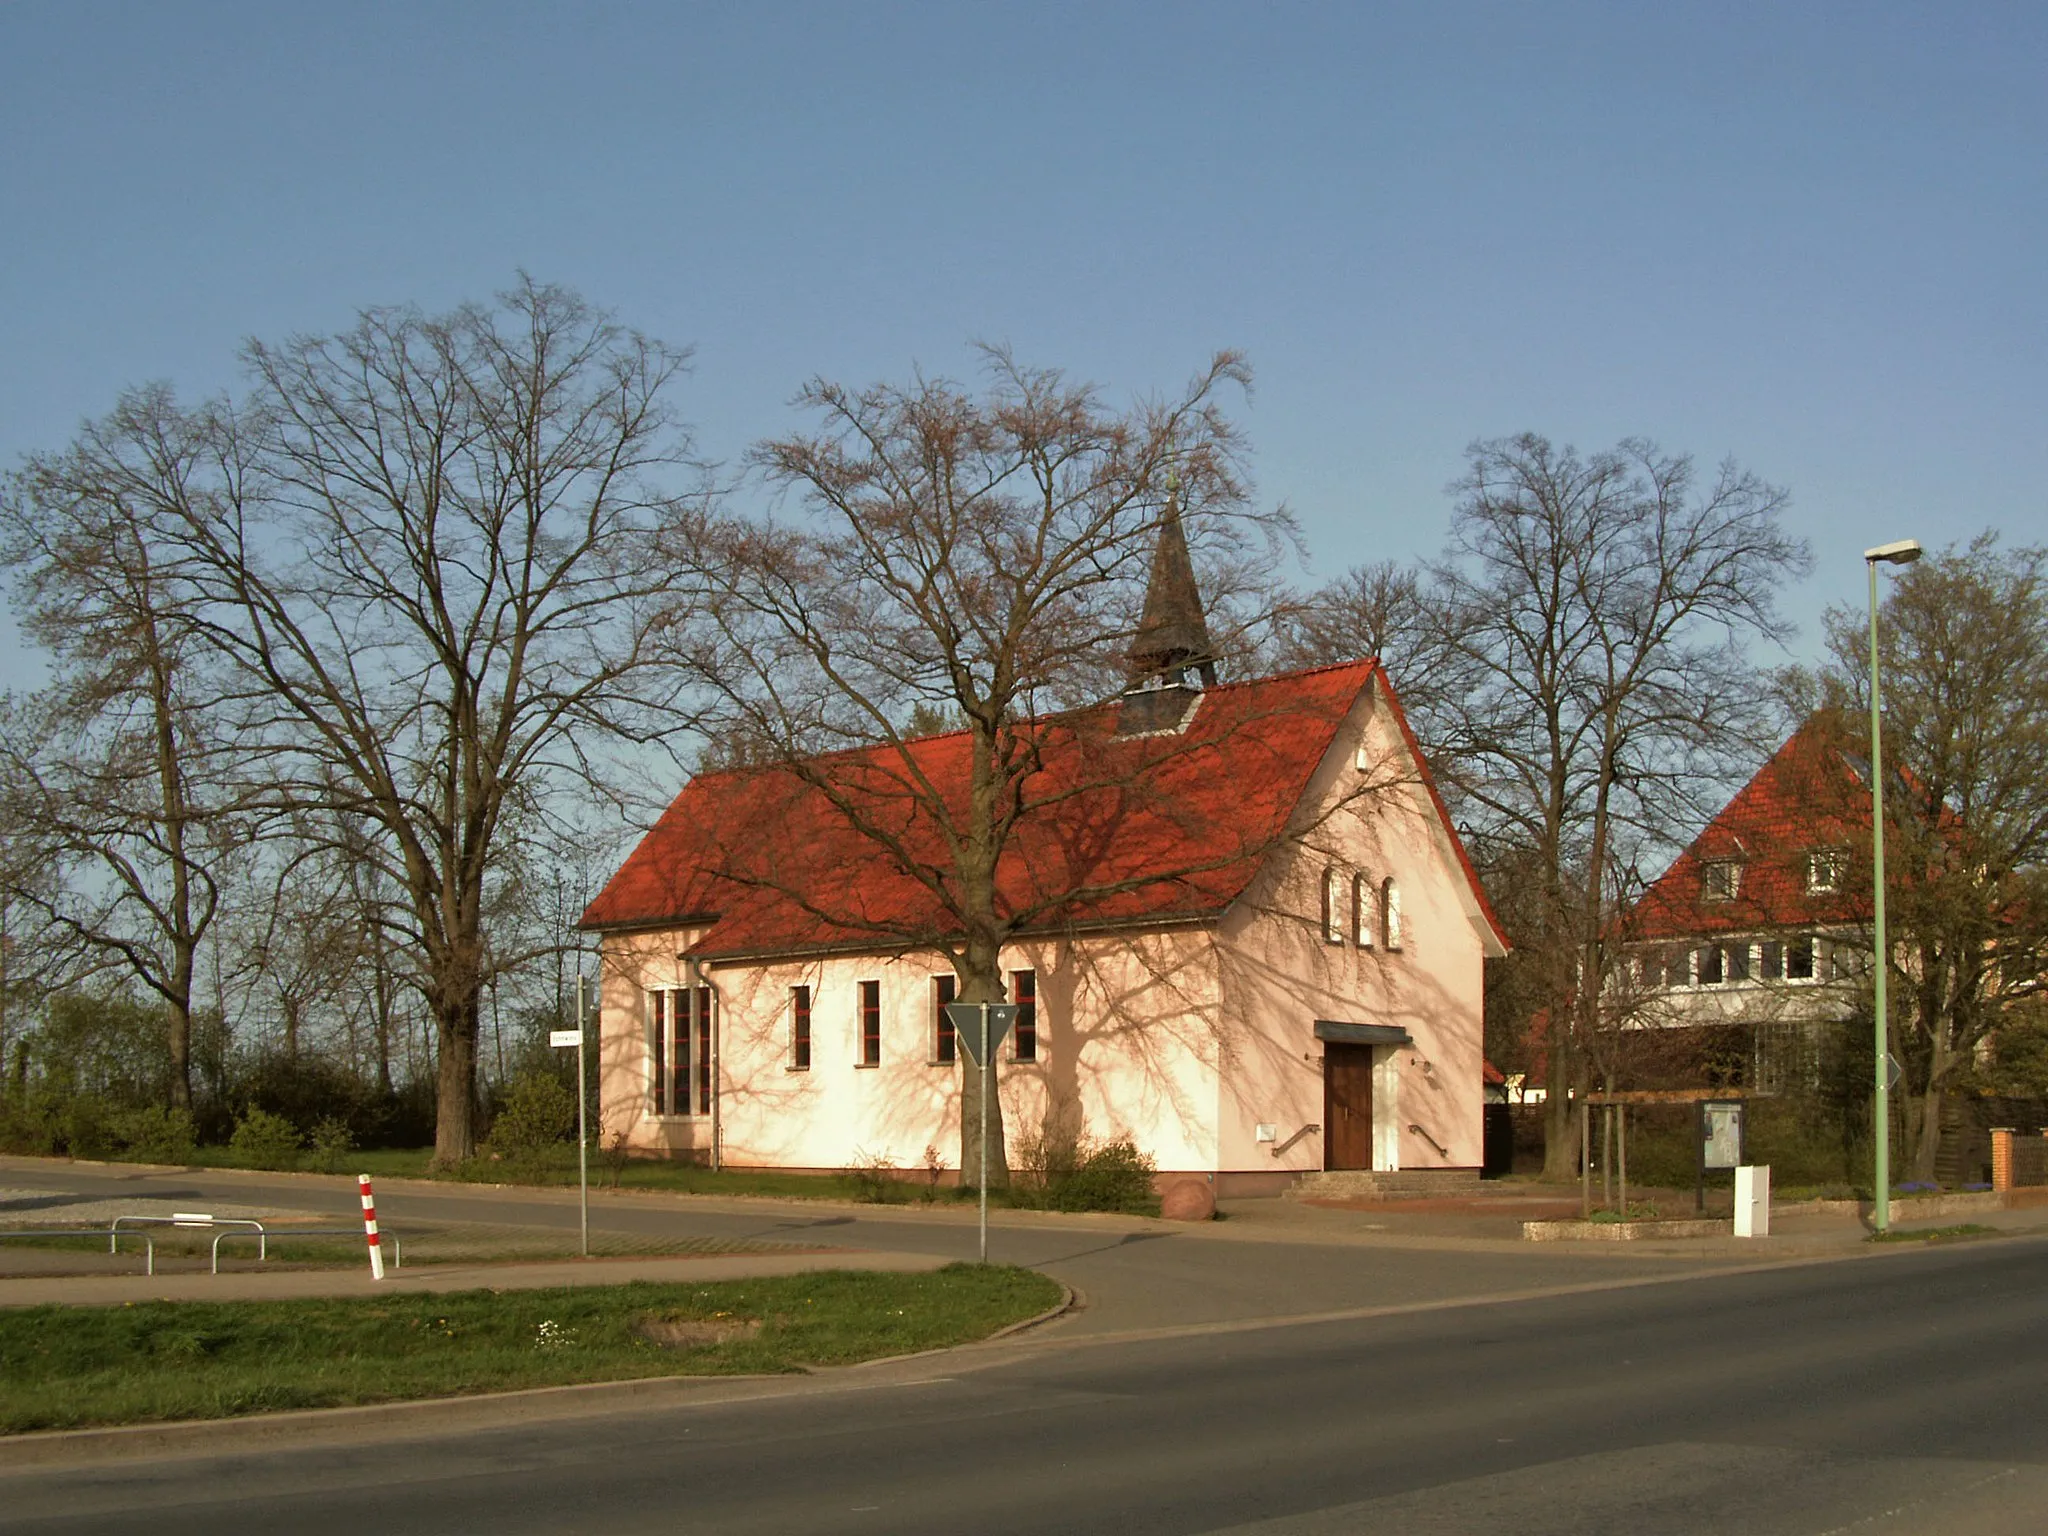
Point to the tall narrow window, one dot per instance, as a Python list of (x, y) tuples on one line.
[(1390, 913), (679, 1051), (1799, 959), (1362, 920), (871, 1023), (1024, 1033), (945, 1044), (657, 1049), (703, 1104), (1333, 906), (800, 1029)]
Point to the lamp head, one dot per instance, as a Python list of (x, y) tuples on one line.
[(1901, 552)]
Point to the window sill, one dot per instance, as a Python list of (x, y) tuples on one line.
[(792, 1067), (866, 1066)]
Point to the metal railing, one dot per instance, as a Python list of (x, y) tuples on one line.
[(228, 1226)]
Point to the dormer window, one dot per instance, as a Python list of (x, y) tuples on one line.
[(1721, 880), (1825, 868)]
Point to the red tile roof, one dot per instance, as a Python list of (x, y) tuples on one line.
[(1812, 796), (1117, 829)]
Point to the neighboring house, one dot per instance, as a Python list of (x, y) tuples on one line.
[(1275, 967), (1764, 921)]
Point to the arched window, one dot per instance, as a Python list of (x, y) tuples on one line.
[(1363, 920), (1390, 913), (1333, 906)]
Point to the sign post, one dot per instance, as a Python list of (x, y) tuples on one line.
[(564, 1038), (980, 1027)]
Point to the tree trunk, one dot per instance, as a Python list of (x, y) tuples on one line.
[(456, 1030), (981, 980), (179, 1031), (1560, 1130)]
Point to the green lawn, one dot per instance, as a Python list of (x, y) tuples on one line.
[(559, 1168), (153, 1361)]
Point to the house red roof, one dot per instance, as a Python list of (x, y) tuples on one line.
[(1812, 797), (1115, 829)]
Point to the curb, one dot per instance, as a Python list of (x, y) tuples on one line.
[(1622, 1231)]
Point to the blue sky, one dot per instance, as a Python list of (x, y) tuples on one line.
[(1810, 237)]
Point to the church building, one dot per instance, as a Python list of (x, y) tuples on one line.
[(1256, 948)]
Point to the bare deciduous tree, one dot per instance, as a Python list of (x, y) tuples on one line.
[(118, 769), (979, 559), (1963, 644), (1599, 606), (433, 551)]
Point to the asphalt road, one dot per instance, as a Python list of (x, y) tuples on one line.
[(1128, 1273), (1902, 1392)]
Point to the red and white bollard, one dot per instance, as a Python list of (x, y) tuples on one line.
[(370, 1227)]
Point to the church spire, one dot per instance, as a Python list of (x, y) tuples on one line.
[(1172, 634)]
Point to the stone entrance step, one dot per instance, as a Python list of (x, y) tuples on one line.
[(1406, 1184)]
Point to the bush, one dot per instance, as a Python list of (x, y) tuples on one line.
[(264, 1140), (85, 1127), (158, 1135), (539, 1111), (872, 1177), (1112, 1177), (332, 1142)]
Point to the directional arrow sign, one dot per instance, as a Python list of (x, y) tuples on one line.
[(1892, 1071), (966, 1021)]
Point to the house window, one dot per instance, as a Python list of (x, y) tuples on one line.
[(945, 1044), (657, 1049), (1362, 920), (871, 1023), (1735, 961), (1333, 907), (1024, 1033), (1799, 959), (1390, 913), (1710, 966), (800, 1029), (1721, 880), (1824, 870), (679, 1051), (1841, 961), (1770, 960)]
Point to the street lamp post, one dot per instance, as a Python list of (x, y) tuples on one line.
[(1902, 552)]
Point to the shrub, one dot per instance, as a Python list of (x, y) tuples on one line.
[(158, 1135), (264, 1140), (872, 1177), (1113, 1177), (84, 1127), (539, 1111), (332, 1141)]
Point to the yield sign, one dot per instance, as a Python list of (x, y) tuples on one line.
[(966, 1021)]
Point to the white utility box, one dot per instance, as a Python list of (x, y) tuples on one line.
[(1753, 1200)]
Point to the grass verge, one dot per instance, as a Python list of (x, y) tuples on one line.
[(1955, 1234), (153, 1361)]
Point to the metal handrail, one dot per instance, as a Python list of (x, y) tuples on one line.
[(1306, 1130), (397, 1247), (189, 1219), (1441, 1149), (114, 1231)]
